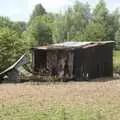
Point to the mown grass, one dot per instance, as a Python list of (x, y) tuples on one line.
[(25, 112), (59, 112)]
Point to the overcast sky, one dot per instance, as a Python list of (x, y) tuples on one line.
[(20, 10)]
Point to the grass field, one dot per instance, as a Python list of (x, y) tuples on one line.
[(116, 61), (60, 101)]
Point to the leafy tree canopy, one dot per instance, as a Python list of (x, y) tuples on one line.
[(40, 32), (11, 47), (38, 11)]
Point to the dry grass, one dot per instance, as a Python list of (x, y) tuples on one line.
[(75, 93), (103, 97)]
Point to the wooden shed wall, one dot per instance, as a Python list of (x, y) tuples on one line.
[(93, 62), (60, 63), (54, 63)]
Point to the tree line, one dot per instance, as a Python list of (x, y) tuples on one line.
[(78, 23)]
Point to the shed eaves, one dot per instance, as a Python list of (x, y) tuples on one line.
[(71, 45)]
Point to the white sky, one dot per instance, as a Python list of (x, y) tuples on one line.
[(21, 9)]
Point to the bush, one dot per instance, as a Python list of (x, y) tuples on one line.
[(116, 62)]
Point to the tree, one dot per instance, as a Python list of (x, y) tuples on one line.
[(110, 21), (58, 28), (38, 32), (95, 32), (76, 20), (113, 24), (117, 39), (11, 47), (38, 11), (19, 26), (104, 20), (100, 12), (71, 25), (5, 22)]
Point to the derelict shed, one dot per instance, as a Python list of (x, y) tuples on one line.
[(74, 60), (13, 73)]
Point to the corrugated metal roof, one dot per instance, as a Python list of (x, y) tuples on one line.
[(71, 44)]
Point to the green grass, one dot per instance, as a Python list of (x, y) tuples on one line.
[(58, 112), (116, 61), (24, 112)]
